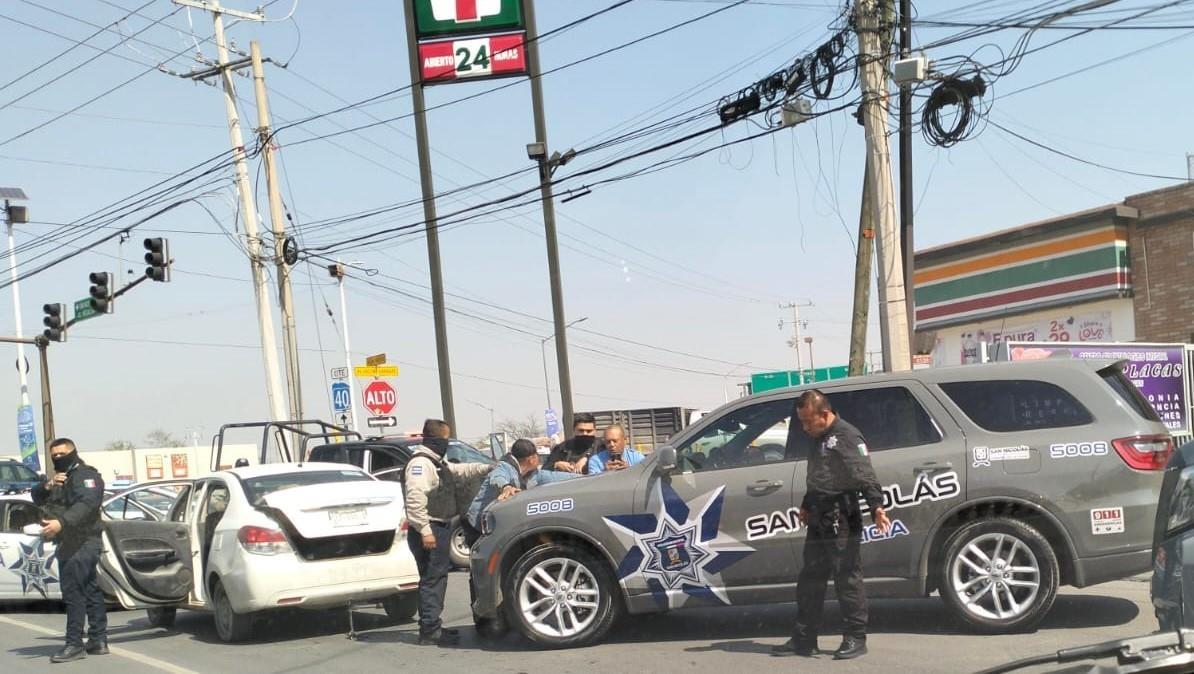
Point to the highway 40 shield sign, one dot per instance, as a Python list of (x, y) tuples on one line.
[(442, 18), (472, 58)]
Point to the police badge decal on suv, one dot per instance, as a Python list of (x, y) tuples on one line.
[(993, 474)]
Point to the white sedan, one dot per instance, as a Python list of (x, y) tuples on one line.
[(248, 540), (28, 570)]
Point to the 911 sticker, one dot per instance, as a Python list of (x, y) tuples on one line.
[(1107, 521), (983, 456), (555, 506), (1073, 450)]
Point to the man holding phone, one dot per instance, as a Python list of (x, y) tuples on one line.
[(616, 455)]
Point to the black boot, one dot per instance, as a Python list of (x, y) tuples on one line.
[(802, 647), (97, 647), (441, 637), (69, 654), (852, 647)]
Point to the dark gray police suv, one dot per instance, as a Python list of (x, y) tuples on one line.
[(1004, 481)]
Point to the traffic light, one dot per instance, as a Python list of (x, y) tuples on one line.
[(101, 291), (55, 322), (158, 259)]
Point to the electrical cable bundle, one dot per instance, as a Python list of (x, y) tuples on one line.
[(962, 97)]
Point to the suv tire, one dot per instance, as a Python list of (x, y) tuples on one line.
[(576, 607), (458, 550), (998, 575)]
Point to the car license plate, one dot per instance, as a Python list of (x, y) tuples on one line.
[(347, 517)]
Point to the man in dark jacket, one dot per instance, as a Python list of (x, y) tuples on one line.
[(71, 505), (572, 455), (839, 472)]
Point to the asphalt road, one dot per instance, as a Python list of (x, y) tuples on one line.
[(906, 635)]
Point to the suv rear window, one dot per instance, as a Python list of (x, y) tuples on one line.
[(1017, 405), (15, 472), (260, 487), (1126, 390)]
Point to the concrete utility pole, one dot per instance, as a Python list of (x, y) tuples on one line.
[(431, 227), (796, 324), (896, 341), (277, 216), (862, 282), (546, 165), (265, 319)]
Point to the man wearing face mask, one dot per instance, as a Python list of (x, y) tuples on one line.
[(71, 502), (431, 486), (573, 454)]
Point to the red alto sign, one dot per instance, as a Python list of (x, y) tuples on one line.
[(469, 58), (380, 398)]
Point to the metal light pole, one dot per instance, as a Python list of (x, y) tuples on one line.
[(492, 422), (9, 221), (725, 392), (543, 349), (811, 365), (337, 272)]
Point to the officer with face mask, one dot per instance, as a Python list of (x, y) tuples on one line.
[(71, 506), (432, 487)]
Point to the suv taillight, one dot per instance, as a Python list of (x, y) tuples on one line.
[(262, 541), (1145, 452)]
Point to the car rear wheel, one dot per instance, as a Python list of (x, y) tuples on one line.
[(161, 617), (560, 596), (230, 625), (459, 550), (401, 607), (999, 575)]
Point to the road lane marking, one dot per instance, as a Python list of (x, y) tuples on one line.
[(116, 650)]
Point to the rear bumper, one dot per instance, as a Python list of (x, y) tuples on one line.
[(259, 582), (1094, 570)]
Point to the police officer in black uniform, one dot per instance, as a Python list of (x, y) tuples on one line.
[(71, 506), (839, 470)]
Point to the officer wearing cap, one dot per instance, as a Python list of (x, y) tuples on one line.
[(71, 506), (839, 471)]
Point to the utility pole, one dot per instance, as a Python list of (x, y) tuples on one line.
[(907, 204), (337, 271), (796, 325), (896, 341), (862, 282), (546, 165), (431, 227), (278, 222), (265, 319)]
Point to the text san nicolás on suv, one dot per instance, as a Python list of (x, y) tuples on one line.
[(1003, 482)]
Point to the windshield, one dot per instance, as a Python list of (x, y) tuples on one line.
[(257, 488), (15, 472)]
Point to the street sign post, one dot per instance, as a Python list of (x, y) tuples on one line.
[(339, 373), (379, 398), (376, 359), (363, 371), (83, 310), (341, 397)]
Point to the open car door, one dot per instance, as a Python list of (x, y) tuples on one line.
[(147, 563)]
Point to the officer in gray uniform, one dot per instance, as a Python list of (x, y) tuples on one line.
[(432, 489), (839, 471)]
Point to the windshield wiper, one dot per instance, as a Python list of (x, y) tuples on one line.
[(1151, 653)]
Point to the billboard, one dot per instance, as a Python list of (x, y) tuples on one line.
[(1158, 370), (481, 57)]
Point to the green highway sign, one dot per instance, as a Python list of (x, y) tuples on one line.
[(446, 18), (769, 381), (83, 310)]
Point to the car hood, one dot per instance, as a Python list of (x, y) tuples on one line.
[(340, 508)]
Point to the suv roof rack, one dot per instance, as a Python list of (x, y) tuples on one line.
[(301, 432)]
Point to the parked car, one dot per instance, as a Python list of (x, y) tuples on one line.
[(386, 458), (1003, 482), (241, 542), (16, 477), (1173, 543)]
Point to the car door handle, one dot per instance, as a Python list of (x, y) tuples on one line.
[(763, 487), (932, 467)]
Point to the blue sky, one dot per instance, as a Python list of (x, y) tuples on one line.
[(695, 259)]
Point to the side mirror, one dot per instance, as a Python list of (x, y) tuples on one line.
[(667, 459)]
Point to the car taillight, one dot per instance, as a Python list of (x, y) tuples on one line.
[(262, 541), (1145, 452)]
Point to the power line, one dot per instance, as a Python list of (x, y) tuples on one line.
[(1080, 160)]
